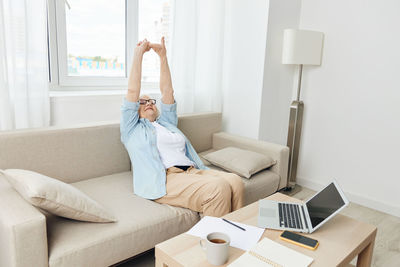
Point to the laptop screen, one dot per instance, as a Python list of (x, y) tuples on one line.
[(324, 204)]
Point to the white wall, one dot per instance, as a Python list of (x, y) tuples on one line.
[(70, 110), (243, 67), (257, 88), (351, 130), (82, 107), (278, 78)]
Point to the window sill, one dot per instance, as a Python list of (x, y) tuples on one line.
[(86, 93), (95, 93)]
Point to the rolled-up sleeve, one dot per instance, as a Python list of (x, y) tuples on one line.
[(168, 113), (129, 118)]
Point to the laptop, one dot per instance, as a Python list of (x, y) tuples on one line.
[(306, 217)]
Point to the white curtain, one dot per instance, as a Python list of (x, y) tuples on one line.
[(196, 54), (24, 99)]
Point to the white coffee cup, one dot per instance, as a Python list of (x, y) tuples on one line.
[(216, 247)]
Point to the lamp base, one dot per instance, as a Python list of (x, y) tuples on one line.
[(288, 189), (293, 140)]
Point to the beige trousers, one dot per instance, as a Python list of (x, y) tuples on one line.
[(215, 193)]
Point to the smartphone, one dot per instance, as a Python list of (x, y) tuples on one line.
[(300, 240)]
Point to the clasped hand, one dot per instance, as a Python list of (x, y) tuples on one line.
[(145, 46)]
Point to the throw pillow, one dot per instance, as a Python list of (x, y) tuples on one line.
[(242, 162), (56, 197)]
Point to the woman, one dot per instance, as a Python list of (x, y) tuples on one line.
[(166, 168)]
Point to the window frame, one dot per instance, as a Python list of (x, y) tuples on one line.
[(58, 66)]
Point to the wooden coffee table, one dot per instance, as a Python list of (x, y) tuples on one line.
[(341, 240)]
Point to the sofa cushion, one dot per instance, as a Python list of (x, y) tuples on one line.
[(141, 225), (260, 185), (56, 197), (240, 161), (202, 154)]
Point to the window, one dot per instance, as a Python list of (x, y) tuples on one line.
[(91, 42), (154, 22), (95, 32)]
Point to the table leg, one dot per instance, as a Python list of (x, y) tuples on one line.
[(365, 257), (159, 263)]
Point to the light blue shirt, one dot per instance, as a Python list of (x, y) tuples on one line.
[(140, 139)]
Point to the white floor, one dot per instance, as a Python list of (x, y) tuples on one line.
[(387, 244)]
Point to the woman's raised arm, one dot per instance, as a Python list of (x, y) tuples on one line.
[(135, 76), (165, 75)]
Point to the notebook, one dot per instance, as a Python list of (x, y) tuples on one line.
[(271, 253)]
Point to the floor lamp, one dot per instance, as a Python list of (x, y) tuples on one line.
[(300, 47)]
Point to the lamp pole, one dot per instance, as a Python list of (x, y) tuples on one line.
[(294, 134), (299, 81)]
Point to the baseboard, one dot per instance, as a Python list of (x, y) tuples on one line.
[(356, 198)]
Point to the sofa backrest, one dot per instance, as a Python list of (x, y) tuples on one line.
[(72, 154), (68, 154), (200, 127)]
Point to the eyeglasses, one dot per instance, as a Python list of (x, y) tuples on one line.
[(145, 101)]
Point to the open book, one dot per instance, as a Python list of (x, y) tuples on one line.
[(270, 253)]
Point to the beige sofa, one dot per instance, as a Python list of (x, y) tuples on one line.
[(92, 158)]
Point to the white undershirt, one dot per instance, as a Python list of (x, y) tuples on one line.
[(171, 147)]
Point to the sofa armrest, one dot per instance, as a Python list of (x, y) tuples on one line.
[(23, 240), (278, 152)]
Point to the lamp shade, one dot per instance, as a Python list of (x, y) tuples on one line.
[(302, 47)]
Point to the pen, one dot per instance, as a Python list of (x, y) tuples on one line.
[(234, 224)]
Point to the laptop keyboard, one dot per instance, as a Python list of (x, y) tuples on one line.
[(289, 216)]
